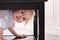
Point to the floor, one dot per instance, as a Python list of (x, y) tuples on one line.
[(52, 37), (47, 37), (10, 37)]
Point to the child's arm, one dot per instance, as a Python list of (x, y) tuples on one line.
[(1, 33), (15, 34)]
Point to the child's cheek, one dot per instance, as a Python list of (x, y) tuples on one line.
[(28, 17)]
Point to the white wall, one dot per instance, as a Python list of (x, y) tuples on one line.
[(52, 17)]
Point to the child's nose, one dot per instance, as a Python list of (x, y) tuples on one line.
[(20, 16)]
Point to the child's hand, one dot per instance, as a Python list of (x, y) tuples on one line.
[(21, 36)]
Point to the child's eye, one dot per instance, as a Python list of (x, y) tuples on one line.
[(22, 12)]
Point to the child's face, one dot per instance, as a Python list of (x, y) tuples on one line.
[(22, 15)]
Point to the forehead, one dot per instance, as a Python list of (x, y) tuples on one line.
[(26, 12), (22, 11)]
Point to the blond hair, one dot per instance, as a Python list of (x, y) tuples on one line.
[(33, 14)]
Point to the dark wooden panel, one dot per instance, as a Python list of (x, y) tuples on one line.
[(41, 21), (46, 0), (18, 5), (11, 6), (22, 1)]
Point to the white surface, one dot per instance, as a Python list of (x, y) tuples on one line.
[(51, 37), (51, 31), (52, 17)]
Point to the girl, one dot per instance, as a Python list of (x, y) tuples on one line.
[(18, 16)]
